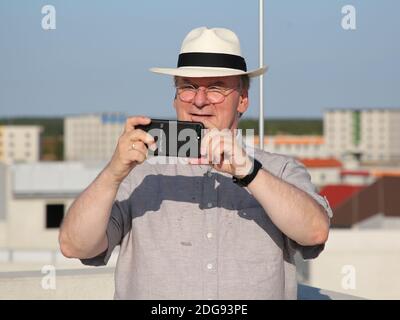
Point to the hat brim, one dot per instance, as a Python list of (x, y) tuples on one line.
[(201, 72)]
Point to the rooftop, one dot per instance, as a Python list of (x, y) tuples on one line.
[(98, 283), (53, 178), (338, 194), (321, 163), (353, 204), (291, 139)]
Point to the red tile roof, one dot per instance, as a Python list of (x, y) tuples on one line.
[(385, 173), (382, 196), (299, 140), (291, 139), (355, 173), (338, 194), (321, 163)]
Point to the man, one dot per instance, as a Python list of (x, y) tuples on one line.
[(224, 228)]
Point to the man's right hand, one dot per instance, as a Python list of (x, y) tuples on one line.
[(132, 148)]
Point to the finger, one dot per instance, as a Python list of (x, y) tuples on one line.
[(131, 122), (206, 140), (207, 123), (217, 151), (198, 161), (140, 135), (137, 155), (137, 145), (218, 142)]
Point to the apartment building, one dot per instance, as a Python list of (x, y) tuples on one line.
[(92, 137), (372, 134), (19, 143)]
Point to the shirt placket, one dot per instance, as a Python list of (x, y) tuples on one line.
[(210, 263)]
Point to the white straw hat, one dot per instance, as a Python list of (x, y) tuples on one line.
[(210, 53)]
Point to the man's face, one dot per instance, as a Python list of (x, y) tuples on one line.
[(223, 115)]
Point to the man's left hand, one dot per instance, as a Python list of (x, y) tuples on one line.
[(222, 150)]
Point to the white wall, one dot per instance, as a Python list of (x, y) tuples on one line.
[(26, 226), (374, 255), (68, 284), (323, 176), (3, 234)]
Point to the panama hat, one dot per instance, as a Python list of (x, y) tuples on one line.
[(210, 53)]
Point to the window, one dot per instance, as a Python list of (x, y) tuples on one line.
[(54, 215)]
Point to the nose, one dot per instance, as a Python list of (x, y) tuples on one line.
[(200, 99)]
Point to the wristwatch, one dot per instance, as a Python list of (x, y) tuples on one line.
[(245, 181)]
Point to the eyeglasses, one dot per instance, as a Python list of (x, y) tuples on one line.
[(215, 94)]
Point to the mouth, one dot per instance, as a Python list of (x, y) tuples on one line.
[(201, 115), (203, 118)]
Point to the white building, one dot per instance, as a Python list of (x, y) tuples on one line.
[(323, 171), (34, 198), (92, 137), (292, 145), (19, 143), (372, 133)]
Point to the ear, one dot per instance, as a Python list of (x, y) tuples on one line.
[(175, 100), (243, 102)]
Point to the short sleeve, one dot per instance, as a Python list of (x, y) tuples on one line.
[(118, 225), (295, 173)]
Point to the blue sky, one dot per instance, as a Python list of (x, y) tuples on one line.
[(98, 57)]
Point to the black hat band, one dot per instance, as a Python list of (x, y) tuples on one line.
[(216, 60)]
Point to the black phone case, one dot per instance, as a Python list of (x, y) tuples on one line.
[(175, 138)]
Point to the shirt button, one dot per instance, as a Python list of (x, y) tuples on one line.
[(209, 204), (209, 266), (209, 235)]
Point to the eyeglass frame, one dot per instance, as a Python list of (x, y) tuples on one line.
[(239, 88)]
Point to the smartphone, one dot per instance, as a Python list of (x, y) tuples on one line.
[(175, 138)]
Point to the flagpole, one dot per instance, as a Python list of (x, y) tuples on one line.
[(261, 54)]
